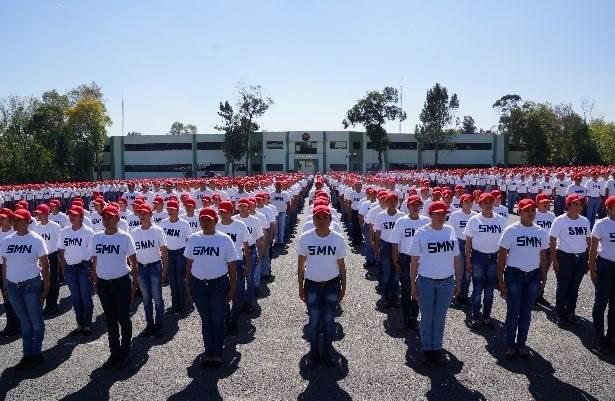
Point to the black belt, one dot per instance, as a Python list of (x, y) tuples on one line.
[(150, 264), (177, 250), (323, 283), (78, 265), (576, 255), (210, 280), (436, 279)]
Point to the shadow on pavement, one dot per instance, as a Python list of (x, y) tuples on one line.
[(322, 381)]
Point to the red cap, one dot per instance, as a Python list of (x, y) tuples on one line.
[(158, 200), (145, 209), (321, 209), (542, 198), (110, 211), (172, 204), (392, 196), (99, 201), (525, 204), (465, 198), (76, 211), (447, 193), (414, 199), (458, 188), (496, 194), (190, 202), (54, 202), (486, 197), (22, 214), (42, 209), (226, 207), (122, 201), (208, 213), (573, 198), (6, 212), (610, 201), (243, 201), (438, 207)]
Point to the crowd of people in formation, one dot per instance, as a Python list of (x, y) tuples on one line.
[(210, 241), (434, 235)]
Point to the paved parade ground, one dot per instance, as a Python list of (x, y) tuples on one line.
[(266, 361)]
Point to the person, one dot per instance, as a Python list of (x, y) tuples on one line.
[(211, 278), (522, 272), (459, 220), (239, 234), (25, 277), (602, 271), (544, 218), (280, 199), (151, 252), (255, 243), (570, 240), (401, 238), (12, 322), (483, 232), (110, 249), (321, 273), (435, 269), (177, 232), (75, 261), (49, 230)]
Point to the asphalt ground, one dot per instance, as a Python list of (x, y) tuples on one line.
[(376, 360)]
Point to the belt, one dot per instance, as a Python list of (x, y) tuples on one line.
[(77, 265), (576, 255), (27, 282), (604, 260), (594, 197), (150, 264), (437, 279), (177, 250), (110, 280), (210, 280), (322, 283)]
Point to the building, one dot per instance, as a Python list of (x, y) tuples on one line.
[(309, 151)]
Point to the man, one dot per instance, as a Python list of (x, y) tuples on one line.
[(49, 230), (159, 214), (594, 189), (459, 220), (256, 248), (321, 273), (110, 249), (190, 216), (280, 199), (560, 188), (544, 219), (56, 215), (12, 323)]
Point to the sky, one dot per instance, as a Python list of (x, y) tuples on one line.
[(176, 60)]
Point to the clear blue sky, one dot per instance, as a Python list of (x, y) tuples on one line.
[(176, 60)]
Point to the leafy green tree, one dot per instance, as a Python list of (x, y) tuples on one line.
[(468, 126), (602, 134), (252, 104), (178, 128), (373, 111), (437, 115), (235, 139)]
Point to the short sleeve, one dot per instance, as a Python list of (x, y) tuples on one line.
[(597, 232), (162, 238), (130, 246), (302, 247), (188, 249), (41, 249), (396, 233), (245, 234), (468, 230), (231, 253), (505, 239), (545, 243), (60, 243), (415, 245), (342, 248), (377, 223), (555, 228)]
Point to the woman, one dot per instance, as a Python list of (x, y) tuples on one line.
[(24, 257), (435, 268), (522, 272), (211, 278)]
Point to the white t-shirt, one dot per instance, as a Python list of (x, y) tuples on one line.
[(210, 254), (485, 232), (148, 243), (157, 217), (501, 210), (279, 200), (436, 250), (111, 252), (193, 222), (253, 225), (322, 254), (96, 221), (385, 223), (604, 230), (524, 245), (60, 218), (309, 225), (571, 234), (404, 231), (22, 253), (132, 220), (49, 232), (544, 220), (177, 233), (76, 244), (459, 220), (238, 232)]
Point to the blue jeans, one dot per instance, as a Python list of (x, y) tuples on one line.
[(521, 292), (233, 311), (150, 282), (605, 296), (78, 281), (484, 279), (593, 207), (368, 250), (210, 301), (390, 278), (572, 268), (409, 306), (25, 298), (266, 260), (559, 205), (281, 221), (176, 272), (251, 279), (321, 300), (466, 277), (434, 299), (511, 200)]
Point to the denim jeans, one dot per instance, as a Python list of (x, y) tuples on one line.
[(321, 300), (233, 311), (355, 229), (511, 200), (281, 220), (521, 292), (114, 297), (150, 282), (54, 280), (466, 277), (251, 280), (409, 306), (605, 295), (572, 268), (210, 301), (368, 250), (26, 301), (484, 280), (390, 278), (12, 322), (559, 205), (78, 281), (434, 299), (176, 272), (266, 261), (593, 207)]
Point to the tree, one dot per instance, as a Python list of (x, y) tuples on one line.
[(574, 144), (178, 128), (252, 104), (373, 111), (468, 126), (437, 115), (235, 138), (602, 133)]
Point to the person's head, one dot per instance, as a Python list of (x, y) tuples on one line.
[(527, 211), (110, 217), (466, 202), (447, 197), (485, 201), (145, 215), (436, 194), (216, 199), (577, 179), (123, 202), (382, 199), (244, 207), (543, 202), (321, 216), (208, 217), (172, 208), (609, 206), (131, 186), (75, 216), (21, 220), (54, 206), (99, 204), (574, 204), (458, 191), (6, 219), (158, 204), (415, 204), (42, 213), (189, 205), (260, 200), (497, 197), (225, 211), (437, 211), (145, 187), (391, 201), (206, 201), (168, 186)]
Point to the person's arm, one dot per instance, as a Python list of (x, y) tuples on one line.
[(164, 258), (458, 273), (4, 283), (553, 249), (593, 254), (232, 271), (395, 254), (377, 244), (544, 268), (187, 278), (61, 260), (341, 265), (502, 256), (589, 244), (300, 275), (93, 271), (132, 261), (414, 267), (259, 248), (43, 262), (246, 259), (468, 253)]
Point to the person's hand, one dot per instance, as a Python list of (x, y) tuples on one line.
[(188, 294), (468, 265), (502, 287), (133, 291), (555, 266), (414, 293), (302, 293), (164, 276), (341, 294), (396, 267), (94, 286), (456, 291), (230, 295), (44, 295), (594, 275)]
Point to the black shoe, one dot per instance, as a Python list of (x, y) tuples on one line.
[(205, 363), (50, 312), (562, 322), (123, 362), (35, 361), (439, 358), (86, 331), (157, 332), (313, 360), (475, 324), (231, 329), (175, 311), (257, 292), (428, 359), (147, 331), (412, 324), (489, 323), (602, 346), (511, 353), (611, 343), (215, 364), (542, 301), (110, 363)]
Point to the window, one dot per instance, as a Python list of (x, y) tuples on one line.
[(209, 145), (145, 147), (338, 145), (459, 146), (370, 145), (211, 167), (275, 167), (402, 146), (401, 166), (157, 168), (306, 148), (275, 145), (338, 167), (356, 145)]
